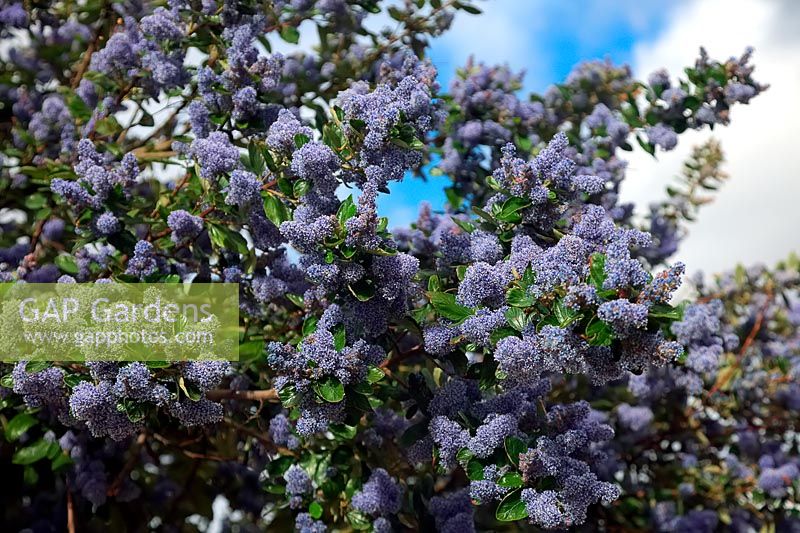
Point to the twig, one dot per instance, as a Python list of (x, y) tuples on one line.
[(70, 512), (126, 470), (269, 395), (751, 337)]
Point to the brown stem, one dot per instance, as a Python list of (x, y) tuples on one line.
[(70, 511), (751, 337), (90, 50), (269, 395), (126, 470)]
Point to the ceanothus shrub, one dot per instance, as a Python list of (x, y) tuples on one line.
[(513, 356)]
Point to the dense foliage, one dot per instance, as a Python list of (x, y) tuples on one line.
[(515, 360)]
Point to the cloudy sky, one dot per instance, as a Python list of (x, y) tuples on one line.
[(757, 214)]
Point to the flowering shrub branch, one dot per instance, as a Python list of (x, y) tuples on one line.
[(515, 357)]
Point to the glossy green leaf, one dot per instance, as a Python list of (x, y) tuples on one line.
[(330, 389)]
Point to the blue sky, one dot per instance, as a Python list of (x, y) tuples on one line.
[(754, 217), (543, 38)]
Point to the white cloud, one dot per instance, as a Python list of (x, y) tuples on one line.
[(504, 33), (755, 216)]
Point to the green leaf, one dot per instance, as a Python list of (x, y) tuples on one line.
[(474, 470), (346, 210), (19, 425), (67, 264), (358, 521), (564, 314), (296, 300), (315, 510), (501, 333), (300, 187), (472, 10), (330, 389), (453, 198), (512, 508), (35, 201), (511, 208), (516, 318), (511, 479), (339, 338), (7, 381), (483, 214), (466, 225), (375, 374), (288, 395), (251, 350), (31, 454), (301, 139), (518, 297), (290, 34), (362, 290), (343, 431), (275, 209), (227, 239), (666, 311), (514, 447), (189, 390), (61, 461), (413, 434), (597, 271), (650, 148), (257, 163), (464, 455), (598, 333), (310, 325), (445, 305), (29, 475), (37, 366)]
